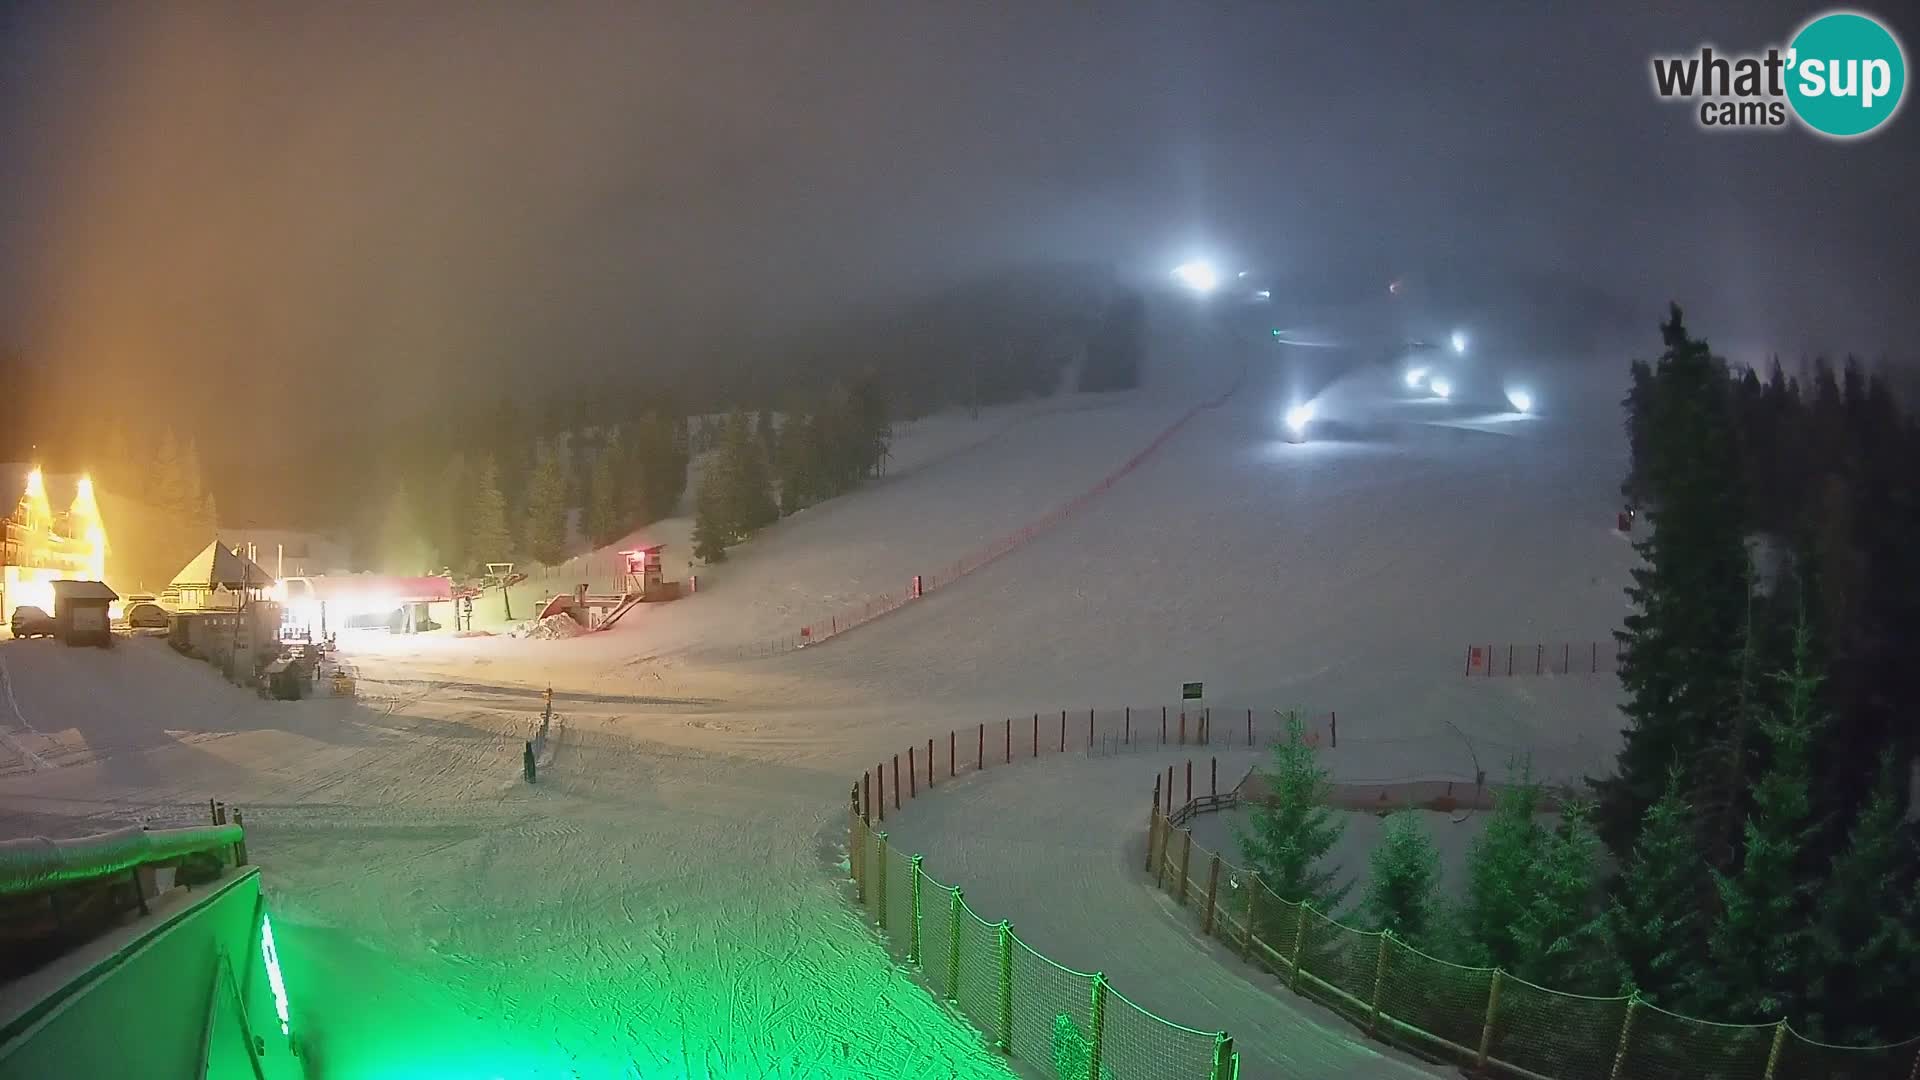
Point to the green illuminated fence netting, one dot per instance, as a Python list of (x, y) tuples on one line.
[(1483, 1018), (1059, 1022)]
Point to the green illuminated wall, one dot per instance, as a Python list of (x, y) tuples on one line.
[(165, 1002)]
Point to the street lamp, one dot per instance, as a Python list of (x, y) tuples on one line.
[(1198, 275)]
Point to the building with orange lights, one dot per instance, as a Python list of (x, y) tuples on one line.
[(52, 533)]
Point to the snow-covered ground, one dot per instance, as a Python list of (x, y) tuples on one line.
[(663, 902)]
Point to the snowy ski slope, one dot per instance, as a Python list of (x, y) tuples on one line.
[(662, 902)]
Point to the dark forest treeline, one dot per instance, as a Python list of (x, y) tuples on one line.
[(1769, 666), (1764, 861)]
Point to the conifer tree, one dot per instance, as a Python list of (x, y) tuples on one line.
[(605, 520), (450, 510), (546, 515), (1760, 945), (751, 491), (1403, 874), (1680, 652), (1499, 872), (1656, 911), (710, 531), (1561, 937), (167, 483), (402, 549), (488, 538), (1866, 940), (1293, 830)]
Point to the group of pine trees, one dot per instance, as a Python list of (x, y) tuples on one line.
[(511, 494), (1763, 864), (759, 471), (166, 512)]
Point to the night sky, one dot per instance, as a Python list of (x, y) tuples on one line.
[(360, 203)]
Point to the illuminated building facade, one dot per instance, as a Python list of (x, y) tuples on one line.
[(41, 546)]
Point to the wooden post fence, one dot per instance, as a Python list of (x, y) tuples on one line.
[(1186, 857), (880, 878), (1097, 1026), (1486, 1026), (1254, 888), (1213, 895), (1379, 980), (1299, 940), (1626, 1035), (954, 907), (1004, 936), (913, 776), (913, 932)]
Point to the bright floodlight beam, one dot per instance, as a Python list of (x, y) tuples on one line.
[(1299, 417), (1416, 376), (1198, 275), (1459, 341), (1441, 388), (1521, 401)]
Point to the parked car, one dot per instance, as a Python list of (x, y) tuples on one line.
[(30, 621), (148, 615)]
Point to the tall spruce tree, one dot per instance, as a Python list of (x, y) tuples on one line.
[(1499, 872), (488, 538), (751, 491), (1561, 937), (1681, 647), (401, 547), (606, 521), (711, 533), (1866, 937), (1658, 928), (1761, 945), (1403, 873), (1293, 830), (450, 509), (546, 513)]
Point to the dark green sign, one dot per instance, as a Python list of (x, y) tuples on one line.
[(1190, 691)]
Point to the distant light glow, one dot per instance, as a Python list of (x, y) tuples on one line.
[(1300, 416), (1520, 400), (1263, 294), (1243, 273), (1441, 388), (1459, 341), (1198, 275), (1416, 376)]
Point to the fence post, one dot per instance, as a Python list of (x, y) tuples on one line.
[(1169, 791), (1593, 661), (1126, 731), (1379, 979), (880, 878), (1097, 1025), (1036, 734), (1626, 1033), (880, 781), (1153, 822), (866, 799), (1566, 658), (1213, 895), (1486, 1026), (1509, 660), (913, 776), (1539, 657), (1213, 777), (1183, 727), (896, 781), (1186, 858), (980, 762), (1163, 725), (1063, 731), (1254, 888), (1089, 729), (1773, 1054), (1333, 730), (954, 907), (1223, 1065), (913, 933), (1009, 740), (240, 845), (1005, 934), (1166, 856), (1189, 780), (1299, 940), (1249, 729), (859, 859)]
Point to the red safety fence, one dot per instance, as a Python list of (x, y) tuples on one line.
[(1512, 659), (853, 615)]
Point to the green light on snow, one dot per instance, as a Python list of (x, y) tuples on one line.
[(272, 958)]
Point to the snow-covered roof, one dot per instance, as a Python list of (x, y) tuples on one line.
[(218, 565)]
